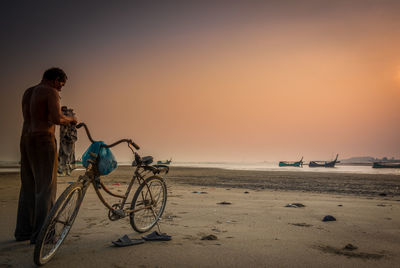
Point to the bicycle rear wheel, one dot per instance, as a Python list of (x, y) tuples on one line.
[(58, 223), (149, 201)]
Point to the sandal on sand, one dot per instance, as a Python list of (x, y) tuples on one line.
[(126, 241), (155, 236)]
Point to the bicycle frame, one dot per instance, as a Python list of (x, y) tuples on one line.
[(92, 176)]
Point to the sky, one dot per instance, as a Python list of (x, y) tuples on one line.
[(212, 80)]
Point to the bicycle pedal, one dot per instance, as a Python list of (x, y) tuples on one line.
[(116, 213), (119, 212)]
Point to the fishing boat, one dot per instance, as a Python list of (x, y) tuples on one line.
[(329, 164), (291, 164), (167, 162), (386, 165)]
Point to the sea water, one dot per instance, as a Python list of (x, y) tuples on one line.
[(274, 166), (263, 166), (9, 170)]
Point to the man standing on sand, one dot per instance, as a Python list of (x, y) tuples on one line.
[(41, 111)]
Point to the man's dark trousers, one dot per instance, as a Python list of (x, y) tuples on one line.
[(38, 183)]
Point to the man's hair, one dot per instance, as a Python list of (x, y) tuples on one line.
[(53, 74)]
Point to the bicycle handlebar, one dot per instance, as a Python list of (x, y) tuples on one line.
[(87, 130), (129, 141)]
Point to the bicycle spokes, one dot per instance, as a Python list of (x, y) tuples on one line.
[(61, 224), (148, 204)]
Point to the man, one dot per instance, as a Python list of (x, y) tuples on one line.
[(41, 111)]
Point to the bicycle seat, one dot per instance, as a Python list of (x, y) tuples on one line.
[(146, 160)]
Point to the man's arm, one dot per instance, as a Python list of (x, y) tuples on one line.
[(55, 114)]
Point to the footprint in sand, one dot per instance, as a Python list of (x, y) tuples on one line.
[(176, 195), (90, 219), (350, 253), (189, 237), (171, 217), (301, 224), (90, 225)]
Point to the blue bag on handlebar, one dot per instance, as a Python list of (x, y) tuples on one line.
[(106, 160)]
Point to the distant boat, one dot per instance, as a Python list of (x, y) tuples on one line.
[(167, 162), (330, 164), (385, 165), (291, 164)]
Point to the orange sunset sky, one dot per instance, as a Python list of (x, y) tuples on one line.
[(233, 81)]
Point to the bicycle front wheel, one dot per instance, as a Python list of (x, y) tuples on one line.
[(149, 203), (58, 223)]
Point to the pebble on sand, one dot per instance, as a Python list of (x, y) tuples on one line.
[(295, 205), (329, 218), (350, 247), (224, 203), (209, 237)]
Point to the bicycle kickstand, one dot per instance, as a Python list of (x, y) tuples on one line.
[(158, 225)]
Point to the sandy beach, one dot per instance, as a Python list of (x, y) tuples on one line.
[(255, 230)]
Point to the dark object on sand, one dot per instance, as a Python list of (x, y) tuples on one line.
[(303, 224), (350, 247), (386, 165), (209, 237), (383, 194), (291, 164), (329, 218), (224, 203), (155, 236), (324, 164), (246, 192), (295, 205), (126, 241)]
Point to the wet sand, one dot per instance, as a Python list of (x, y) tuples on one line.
[(254, 230)]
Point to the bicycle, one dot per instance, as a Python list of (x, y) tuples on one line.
[(145, 210)]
